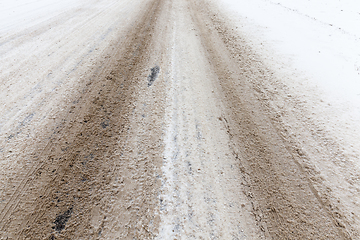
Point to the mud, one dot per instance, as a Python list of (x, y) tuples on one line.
[(61, 220), (194, 150), (286, 201), (77, 177), (154, 74)]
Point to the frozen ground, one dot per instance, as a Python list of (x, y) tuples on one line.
[(179, 119)]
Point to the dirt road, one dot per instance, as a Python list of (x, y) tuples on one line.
[(155, 119)]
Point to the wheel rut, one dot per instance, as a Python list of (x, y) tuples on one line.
[(172, 136), (285, 202), (69, 191)]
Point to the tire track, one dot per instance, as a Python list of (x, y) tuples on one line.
[(72, 176), (285, 202), (201, 197)]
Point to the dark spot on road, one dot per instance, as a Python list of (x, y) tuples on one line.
[(61, 220), (105, 123), (154, 74)]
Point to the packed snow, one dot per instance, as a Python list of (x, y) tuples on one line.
[(21, 14), (316, 46)]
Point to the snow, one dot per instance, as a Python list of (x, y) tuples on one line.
[(319, 37), (21, 14), (316, 45)]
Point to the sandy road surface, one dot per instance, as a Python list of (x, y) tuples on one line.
[(154, 119)]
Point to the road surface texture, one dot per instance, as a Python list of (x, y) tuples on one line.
[(155, 119)]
